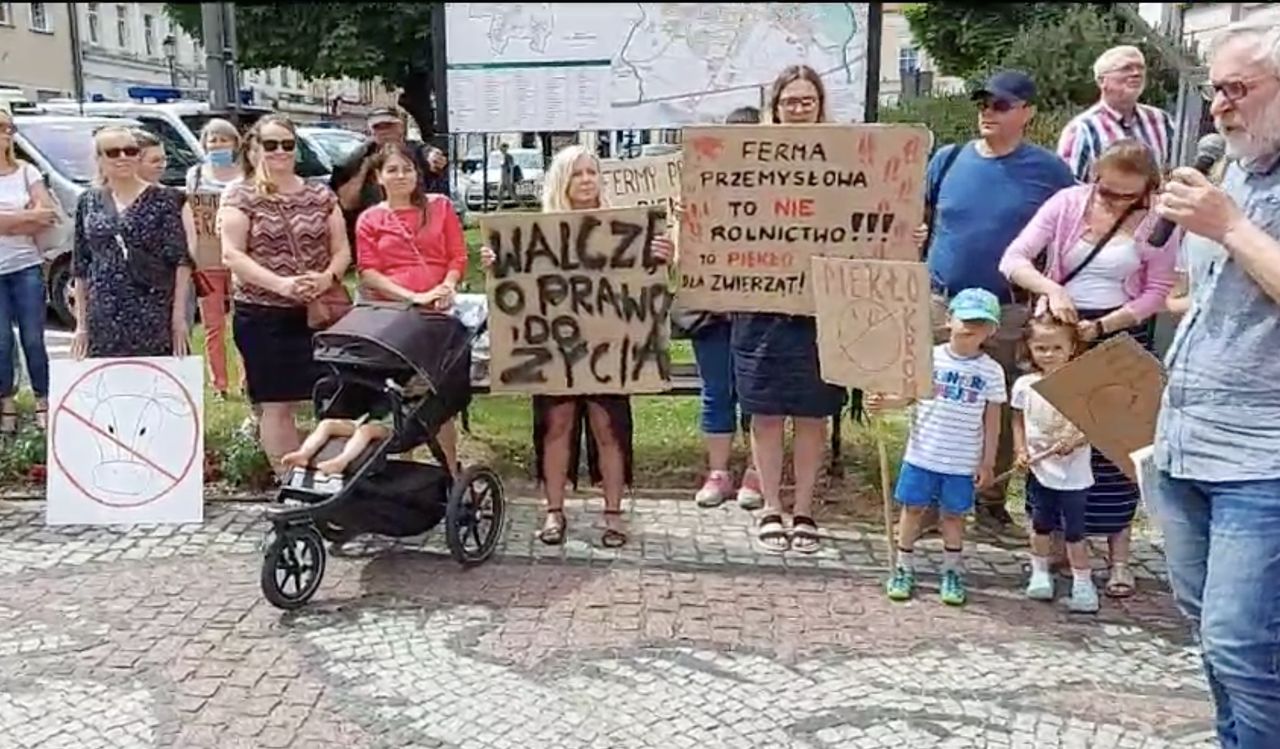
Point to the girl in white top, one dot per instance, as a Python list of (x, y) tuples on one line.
[(1059, 460), (26, 210)]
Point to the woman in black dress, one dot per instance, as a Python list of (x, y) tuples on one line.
[(775, 360), (130, 260)]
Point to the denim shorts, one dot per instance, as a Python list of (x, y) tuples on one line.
[(918, 487)]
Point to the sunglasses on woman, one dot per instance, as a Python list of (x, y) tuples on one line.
[(115, 153), (1119, 197), (270, 145)]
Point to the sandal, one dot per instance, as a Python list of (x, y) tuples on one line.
[(553, 534), (42, 415), (611, 538), (9, 419), (804, 535), (772, 535), (1121, 584)]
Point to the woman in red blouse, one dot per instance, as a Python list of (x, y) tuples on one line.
[(409, 247)]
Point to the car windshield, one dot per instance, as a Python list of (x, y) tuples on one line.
[(67, 145), (336, 143), (524, 159)]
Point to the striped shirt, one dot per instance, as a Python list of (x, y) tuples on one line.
[(1093, 130), (948, 430)]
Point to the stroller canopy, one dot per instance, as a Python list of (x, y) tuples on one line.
[(396, 339)]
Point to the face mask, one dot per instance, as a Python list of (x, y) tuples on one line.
[(220, 157)]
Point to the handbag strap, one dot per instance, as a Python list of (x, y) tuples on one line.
[(1097, 248), (931, 202)]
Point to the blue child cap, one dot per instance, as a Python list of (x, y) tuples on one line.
[(976, 304)]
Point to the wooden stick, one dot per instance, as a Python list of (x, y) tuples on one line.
[(1032, 461), (887, 494)]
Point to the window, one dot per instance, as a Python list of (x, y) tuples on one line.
[(149, 34), (271, 77), (908, 61), (40, 20), (6, 14), (91, 23), (122, 26)]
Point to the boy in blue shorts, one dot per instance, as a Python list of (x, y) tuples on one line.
[(952, 448)]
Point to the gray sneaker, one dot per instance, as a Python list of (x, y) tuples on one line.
[(1084, 597)]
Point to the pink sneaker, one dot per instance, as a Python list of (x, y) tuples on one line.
[(715, 490), (749, 495)]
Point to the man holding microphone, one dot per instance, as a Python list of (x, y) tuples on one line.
[(1218, 439)]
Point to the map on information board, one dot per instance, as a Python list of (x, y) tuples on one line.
[(585, 66)]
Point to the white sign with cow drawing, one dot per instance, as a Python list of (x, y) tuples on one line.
[(126, 441)]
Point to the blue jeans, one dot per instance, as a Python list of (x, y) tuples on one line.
[(1222, 542), (714, 354), (23, 303)]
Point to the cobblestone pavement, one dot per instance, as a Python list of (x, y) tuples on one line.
[(158, 636)]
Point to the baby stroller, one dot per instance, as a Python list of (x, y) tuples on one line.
[(376, 358)]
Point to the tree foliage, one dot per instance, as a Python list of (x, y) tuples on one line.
[(390, 42), (1055, 43)]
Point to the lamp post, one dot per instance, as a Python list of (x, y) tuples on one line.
[(170, 47)]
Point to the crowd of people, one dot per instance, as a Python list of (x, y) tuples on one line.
[(1034, 257)]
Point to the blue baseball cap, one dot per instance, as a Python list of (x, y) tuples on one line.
[(976, 304), (1013, 86)]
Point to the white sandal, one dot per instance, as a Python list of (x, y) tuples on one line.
[(772, 535)]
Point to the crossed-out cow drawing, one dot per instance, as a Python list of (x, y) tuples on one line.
[(133, 429)]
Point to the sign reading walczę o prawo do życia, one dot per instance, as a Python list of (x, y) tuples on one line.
[(760, 200), (578, 304)]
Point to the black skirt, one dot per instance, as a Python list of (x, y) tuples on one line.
[(775, 367), (275, 346)]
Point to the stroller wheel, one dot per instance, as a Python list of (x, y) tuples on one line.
[(292, 566), (475, 514)]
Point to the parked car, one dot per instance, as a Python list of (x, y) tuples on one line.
[(61, 147), (335, 143), (528, 188), (180, 123)]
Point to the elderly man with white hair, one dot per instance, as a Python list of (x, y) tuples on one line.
[(1217, 496), (1121, 75)]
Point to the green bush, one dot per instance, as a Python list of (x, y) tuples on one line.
[(954, 119), (22, 458)]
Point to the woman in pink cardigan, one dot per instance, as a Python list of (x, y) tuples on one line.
[(1102, 274)]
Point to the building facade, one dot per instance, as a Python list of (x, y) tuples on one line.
[(905, 68), (129, 45), (31, 32)]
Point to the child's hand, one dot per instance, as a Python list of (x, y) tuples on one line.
[(878, 403), (985, 477), (1066, 447), (1021, 460)]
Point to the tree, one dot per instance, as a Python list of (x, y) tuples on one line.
[(390, 42), (1055, 43)]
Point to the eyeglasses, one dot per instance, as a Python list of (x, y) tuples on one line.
[(270, 145), (1112, 196), (997, 105), (1233, 91), (798, 102), (128, 152)]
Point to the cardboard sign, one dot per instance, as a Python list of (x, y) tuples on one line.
[(126, 441), (204, 206), (874, 330), (760, 200), (652, 180), (1112, 394), (577, 302)]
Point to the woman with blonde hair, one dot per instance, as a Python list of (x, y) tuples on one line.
[(26, 209), (1105, 277), (572, 183), (130, 261), (222, 166), (775, 359), (285, 243)]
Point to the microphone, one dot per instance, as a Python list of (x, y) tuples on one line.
[(1209, 150)]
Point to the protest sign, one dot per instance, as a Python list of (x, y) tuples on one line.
[(126, 441), (652, 180), (578, 304), (874, 331), (1112, 394), (760, 200), (204, 206)]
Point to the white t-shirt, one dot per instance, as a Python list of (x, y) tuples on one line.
[(18, 251), (948, 429), (1047, 427), (1100, 285)]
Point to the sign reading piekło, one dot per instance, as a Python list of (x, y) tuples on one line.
[(578, 304), (761, 200)]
